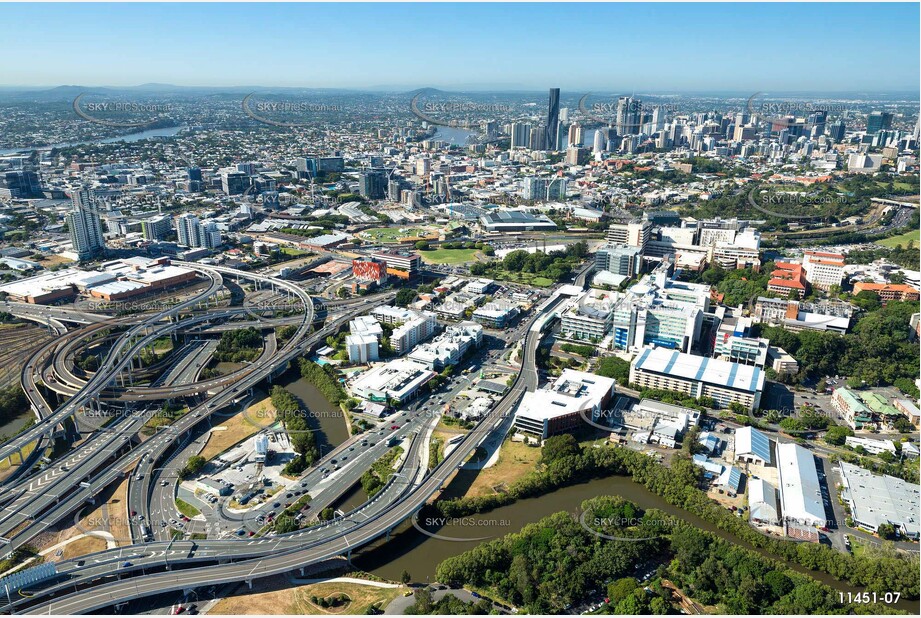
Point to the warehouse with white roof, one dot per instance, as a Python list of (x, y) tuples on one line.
[(762, 502), (877, 499), (800, 491)]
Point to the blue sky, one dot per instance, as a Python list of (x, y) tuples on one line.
[(867, 47)]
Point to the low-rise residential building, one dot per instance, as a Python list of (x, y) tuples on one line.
[(449, 347), (909, 409), (496, 314), (851, 408), (781, 362), (870, 445), (590, 317), (362, 348)]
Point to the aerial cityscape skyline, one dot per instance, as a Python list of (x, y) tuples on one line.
[(464, 325)]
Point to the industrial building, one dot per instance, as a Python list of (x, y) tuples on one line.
[(876, 499), (753, 447), (800, 492), (762, 502)]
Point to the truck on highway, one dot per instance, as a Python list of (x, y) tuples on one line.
[(147, 532)]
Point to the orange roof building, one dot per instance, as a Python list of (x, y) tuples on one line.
[(787, 277), (888, 291)]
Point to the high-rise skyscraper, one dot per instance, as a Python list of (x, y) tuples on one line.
[(627, 121), (373, 184), (600, 143), (575, 135), (84, 225), (878, 121), (188, 229), (553, 118), (520, 133)]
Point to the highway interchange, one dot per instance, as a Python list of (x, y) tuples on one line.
[(237, 547)]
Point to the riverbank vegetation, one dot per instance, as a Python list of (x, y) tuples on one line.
[(564, 464), (559, 561), (293, 416), (324, 378)]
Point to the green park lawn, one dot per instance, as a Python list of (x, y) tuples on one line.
[(901, 239), (448, 256)]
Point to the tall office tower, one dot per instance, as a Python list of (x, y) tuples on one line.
[(394, 187), (658, 119), (576, 155), (270, 201), (194, 173), (534, 188), (556, 188), (20, 184), (423, 166), (234, 183), (247, 168), (575, 135), (372, 185), (306, 167), (877, 121), (553, 119), (628, 115), (836, 130), (84, 224), (520, 133), (599, 142), (741, 119), (564, 114), (815, 122), (188, 229)]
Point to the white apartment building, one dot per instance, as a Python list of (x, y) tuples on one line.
[(823, 270), (449, 347)]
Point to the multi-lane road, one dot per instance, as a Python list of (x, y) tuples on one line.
[(112, 576)]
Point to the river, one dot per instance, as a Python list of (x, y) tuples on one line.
[(323, 415), (420, 554), (130, 137), (14, 425)]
